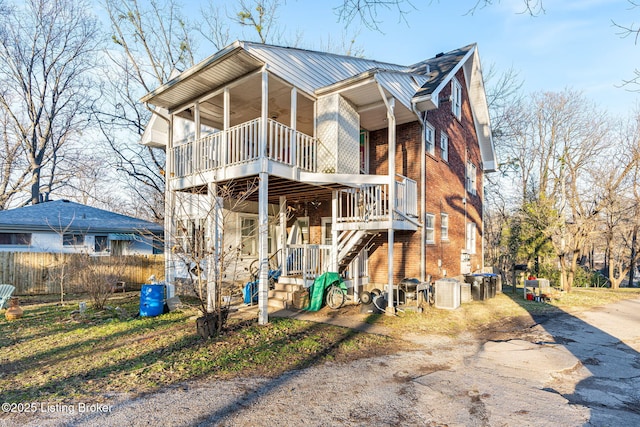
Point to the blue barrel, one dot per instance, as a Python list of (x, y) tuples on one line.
[(151, 300)]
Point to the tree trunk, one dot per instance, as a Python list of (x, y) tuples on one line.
[(632, 264), (35, 185)]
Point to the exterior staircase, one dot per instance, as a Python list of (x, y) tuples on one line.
[(350, 244), (287, 294)]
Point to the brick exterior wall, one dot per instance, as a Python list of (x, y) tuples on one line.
[(445, 187)]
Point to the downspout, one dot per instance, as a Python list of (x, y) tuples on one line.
[(169, 228), (423, 194)]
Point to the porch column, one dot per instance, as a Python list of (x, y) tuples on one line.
[(391, 119), (263, 208), (334, 232), (264, 117), (263, 248), (225, 126), (214, 239), (169, 209), (293, 123), (283, 236)]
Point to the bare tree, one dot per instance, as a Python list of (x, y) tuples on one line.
[(369, 12), (150, 42), (259, 15), (558, 138), (14, 170), (46, 57), (620, 222)]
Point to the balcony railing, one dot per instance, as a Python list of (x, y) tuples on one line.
[(370, 202), (241, 144)]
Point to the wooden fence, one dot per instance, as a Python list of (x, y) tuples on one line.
[(41, 273)]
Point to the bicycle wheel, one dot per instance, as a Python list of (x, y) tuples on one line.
[(334, 297)]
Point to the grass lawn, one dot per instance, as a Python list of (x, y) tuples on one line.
[(52, 355)]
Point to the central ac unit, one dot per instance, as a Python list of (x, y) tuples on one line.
[(447, 294)]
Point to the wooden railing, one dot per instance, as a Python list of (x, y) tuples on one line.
[(241, 144), (407, 197), (370, 202), (308, 261)]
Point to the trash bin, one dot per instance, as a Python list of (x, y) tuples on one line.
[(478, 288), (152, 300)]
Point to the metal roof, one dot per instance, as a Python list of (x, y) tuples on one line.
[(63, 215), (415, 87)]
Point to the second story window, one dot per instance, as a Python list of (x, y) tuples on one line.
[(444, 147), (429, 138), (471, 178), (470, 238), (456, 98)]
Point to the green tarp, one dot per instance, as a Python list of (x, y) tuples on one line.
[(317, 290)]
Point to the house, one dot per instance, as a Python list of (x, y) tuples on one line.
[(371, 169), (62, 226)]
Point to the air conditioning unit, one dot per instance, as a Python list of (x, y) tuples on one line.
[(465, 293), (447, 294)]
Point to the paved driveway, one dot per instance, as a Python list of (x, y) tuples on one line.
[(570, 370)]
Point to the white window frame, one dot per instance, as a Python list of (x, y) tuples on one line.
[(444, 226), (470, 238), (430, 138), (444, 146), (245, 248), (456, 98), (326, 237), (429, 226), (472, 174), (364, 156)]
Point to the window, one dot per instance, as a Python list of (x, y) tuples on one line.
[(444, 146), (471, 238), (364, 151), (429, 226), (456, 98), (444, 226), (249, 235), (72, 239), (21, 239), (101, 243), (471, 178), (429, 138), (327, 237)]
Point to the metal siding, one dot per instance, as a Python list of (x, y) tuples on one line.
[(310, 70)]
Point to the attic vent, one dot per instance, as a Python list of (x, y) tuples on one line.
[(440, 54)]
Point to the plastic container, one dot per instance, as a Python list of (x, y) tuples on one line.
[(152, 300)]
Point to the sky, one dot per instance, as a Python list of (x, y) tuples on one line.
[(573, 44)]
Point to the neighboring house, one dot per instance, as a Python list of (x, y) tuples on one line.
[(62, 226), (359, 162)]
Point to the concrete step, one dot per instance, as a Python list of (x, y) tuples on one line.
[(287, 287), (277, 303), (281, 295)]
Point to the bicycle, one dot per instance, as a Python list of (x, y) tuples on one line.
[(335, 296)]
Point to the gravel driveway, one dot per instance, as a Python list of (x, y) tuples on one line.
[(565, 370)]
